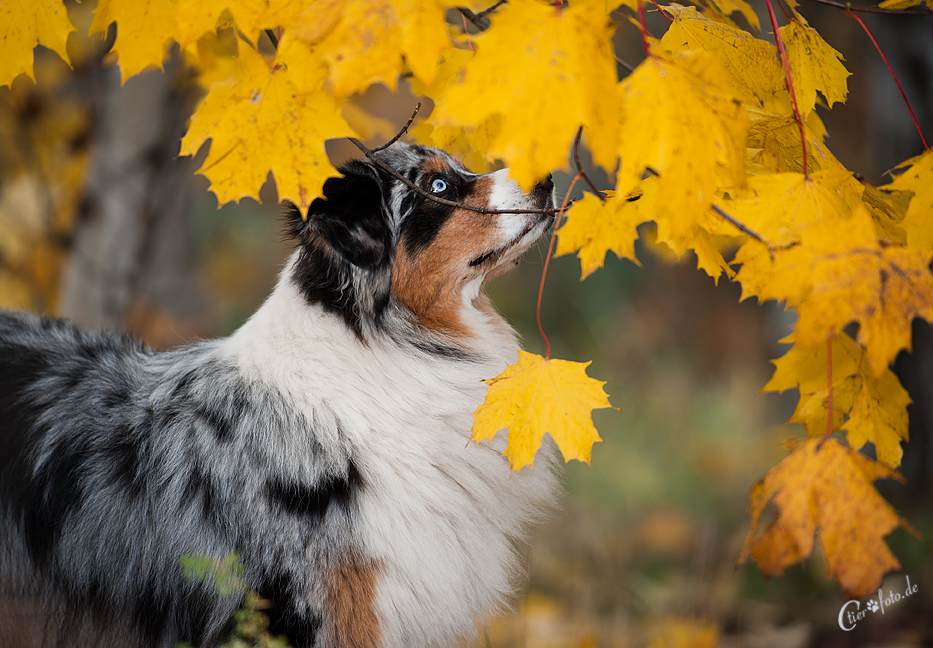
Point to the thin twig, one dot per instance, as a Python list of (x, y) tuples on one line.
[(485, 12), (547, 260), (627, 66), (576, 160), (443, 201), (876, 10), (401, 132), (477, 18), (738, 224), (643, 25), (891, 70)]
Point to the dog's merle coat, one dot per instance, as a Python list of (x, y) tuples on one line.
[(324, 442)]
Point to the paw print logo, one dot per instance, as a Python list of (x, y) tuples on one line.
[(873, 606)]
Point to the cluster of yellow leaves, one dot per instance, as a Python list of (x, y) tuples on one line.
[(704, 126), (707, 121)]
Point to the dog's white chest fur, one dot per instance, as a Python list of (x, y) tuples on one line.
[(439, 514)]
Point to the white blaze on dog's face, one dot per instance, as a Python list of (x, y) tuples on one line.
[(387, 258), (445, 254)]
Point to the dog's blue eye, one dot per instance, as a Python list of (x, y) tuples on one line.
[(438, 185)]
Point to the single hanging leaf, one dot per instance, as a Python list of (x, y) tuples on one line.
[(25, 25), (536, 397), (825, 486), (814, 66), (546, 72), (917, 177), (267, 118)]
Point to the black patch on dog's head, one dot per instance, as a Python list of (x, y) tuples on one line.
[(347, 231)]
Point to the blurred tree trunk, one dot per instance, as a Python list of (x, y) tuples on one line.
[(133, 237)]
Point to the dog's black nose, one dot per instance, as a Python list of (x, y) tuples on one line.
[(543, 193)]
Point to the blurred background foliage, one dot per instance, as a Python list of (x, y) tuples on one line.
[(101, 222)]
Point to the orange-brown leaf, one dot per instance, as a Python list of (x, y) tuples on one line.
[(825, 486)]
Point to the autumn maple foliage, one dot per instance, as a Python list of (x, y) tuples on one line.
[(713, 137)]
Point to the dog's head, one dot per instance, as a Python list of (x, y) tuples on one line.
[(380, 255)]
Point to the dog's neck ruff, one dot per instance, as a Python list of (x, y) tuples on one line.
[(404, 416)]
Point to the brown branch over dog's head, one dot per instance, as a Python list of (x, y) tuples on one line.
[(371, 154)]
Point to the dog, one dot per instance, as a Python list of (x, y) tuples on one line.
[(325, 443)]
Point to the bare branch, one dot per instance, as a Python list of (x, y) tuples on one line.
[(478, 18), (738, 225), (626, 65), (576, 160), (401, 132)]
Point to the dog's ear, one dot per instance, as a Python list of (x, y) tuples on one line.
[(351, 216)]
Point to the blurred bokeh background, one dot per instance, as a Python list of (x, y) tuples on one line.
[(101, 222)]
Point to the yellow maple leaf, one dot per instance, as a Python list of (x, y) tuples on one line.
[(855, 278), (144, 30), (785, 204), (767, 273), (879, 415), (775, 144), (359, 39), (539, 396), (917, 177), (25, 25), (594, 227), (814, 66), (546, 71), (267, 118), (682, 124), (824, 486), (876, 407), (750, 63)]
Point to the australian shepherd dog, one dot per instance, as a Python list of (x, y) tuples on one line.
[(325, 442)]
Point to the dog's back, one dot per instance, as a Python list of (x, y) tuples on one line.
[(104, 485)]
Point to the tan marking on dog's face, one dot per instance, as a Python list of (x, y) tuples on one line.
[(351, 603), (435, 166), (430, 283)]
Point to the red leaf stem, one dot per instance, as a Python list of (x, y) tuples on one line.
[(644, 28), (547, 260), (884, 58), (790, 82)]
